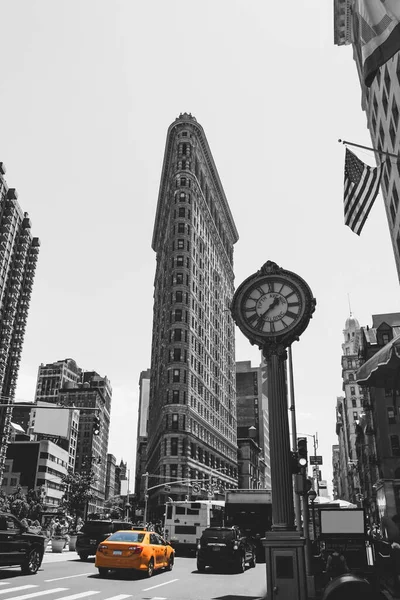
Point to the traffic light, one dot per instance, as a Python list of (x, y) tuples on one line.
[(302, 451), (96, 425), (294, 463)]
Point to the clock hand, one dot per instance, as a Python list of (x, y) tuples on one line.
[(274, 303)]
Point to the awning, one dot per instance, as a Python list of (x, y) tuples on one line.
[(382, 369)]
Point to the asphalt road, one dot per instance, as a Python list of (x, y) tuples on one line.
[(65, 577)]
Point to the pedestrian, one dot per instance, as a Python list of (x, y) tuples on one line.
[(336, 564)]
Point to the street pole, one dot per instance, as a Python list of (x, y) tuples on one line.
[(315, 437), (297, 508), (146, 496), (306, 533)]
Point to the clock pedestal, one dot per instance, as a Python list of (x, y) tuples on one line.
[(279, 442), (284, 547), (272, 308)]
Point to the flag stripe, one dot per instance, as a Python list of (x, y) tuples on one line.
[(363, 196), (366, 208), (361, 186)]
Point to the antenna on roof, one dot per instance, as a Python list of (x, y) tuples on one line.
[(348, 297)]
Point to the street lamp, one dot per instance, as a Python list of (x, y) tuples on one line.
[(312, 494)]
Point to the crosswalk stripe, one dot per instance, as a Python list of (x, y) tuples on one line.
[(17, 589), (76, 596), (69, 577), (119, 597), (36, 594), (4, 583)]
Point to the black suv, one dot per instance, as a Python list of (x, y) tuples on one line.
[(18, 546), (221, 547), (94, 532)]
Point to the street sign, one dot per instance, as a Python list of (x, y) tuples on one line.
[(315, 460), (167, 489), (196, 488)]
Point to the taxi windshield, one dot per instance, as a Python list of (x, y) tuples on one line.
[(126, 536)]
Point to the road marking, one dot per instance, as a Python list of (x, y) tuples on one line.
[(121, 597), (36, 594), (159, 585), (68, 577), (4, 583), (17, 589), (76, 596)]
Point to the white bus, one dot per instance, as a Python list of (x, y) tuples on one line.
[(185, 521)]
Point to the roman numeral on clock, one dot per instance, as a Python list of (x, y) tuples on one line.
[(290, 314), (253, 318)]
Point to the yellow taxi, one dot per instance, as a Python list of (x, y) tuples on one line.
[(136, 550)]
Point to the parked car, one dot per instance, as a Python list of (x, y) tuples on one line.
[(94, 532), (225, 547), (141, 551), (18, 546)]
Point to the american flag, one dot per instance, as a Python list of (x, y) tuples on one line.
[(361, 187)]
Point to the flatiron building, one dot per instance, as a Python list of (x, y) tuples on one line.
[(192, 438)]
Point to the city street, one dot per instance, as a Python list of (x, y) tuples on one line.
[(65, 577)]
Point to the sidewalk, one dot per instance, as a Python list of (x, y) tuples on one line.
[(66, 554)]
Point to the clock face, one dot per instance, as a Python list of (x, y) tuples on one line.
[(271, 306)]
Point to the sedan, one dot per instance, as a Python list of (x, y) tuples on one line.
[(138, 551)]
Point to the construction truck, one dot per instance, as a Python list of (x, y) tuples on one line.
[(251, 511)]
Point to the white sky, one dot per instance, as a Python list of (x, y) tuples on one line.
[(88, 89)]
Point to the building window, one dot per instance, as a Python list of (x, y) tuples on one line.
[(355, 415), (182, 197), (179, 278), (176, 375), (177, 335), (354, 402), (352, 390), (173, 469), (351, 377), (391, 415), (178, 315), (175, 421), (181, 212), (395, 113), (385, 338), (183, 181), (179, 261), (393, 213), (177, 354), (181, 244), (174, 446), (394, 442), (175, 396), (181, 229), (179, 296)]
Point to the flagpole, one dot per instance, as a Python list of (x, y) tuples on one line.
[(372, 149)]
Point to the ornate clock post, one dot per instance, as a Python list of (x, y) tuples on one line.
[(272, 308)]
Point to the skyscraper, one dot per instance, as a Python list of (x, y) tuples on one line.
[(141, 444), (64, 383), (381, 103), (18, 257), (252, 411), (192, 406)]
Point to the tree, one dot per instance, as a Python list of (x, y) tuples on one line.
[(78, 491)]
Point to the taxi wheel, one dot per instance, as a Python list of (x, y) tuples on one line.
[(170, 563), (32, 563), (103, 572), (150, 568), (253, 561)]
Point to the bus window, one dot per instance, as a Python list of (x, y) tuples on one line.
[(192, 511), (179, 510), (169, 512)]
